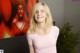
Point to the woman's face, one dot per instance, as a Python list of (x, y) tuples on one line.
[(20, 10), (40, 14)]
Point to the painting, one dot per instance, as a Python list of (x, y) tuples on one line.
[(15, 17)]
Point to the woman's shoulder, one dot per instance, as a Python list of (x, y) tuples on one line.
[(30, 35), (55, 28)]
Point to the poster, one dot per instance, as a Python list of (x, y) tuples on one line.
[(15, 17)]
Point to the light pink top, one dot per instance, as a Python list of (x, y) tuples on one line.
[(46, 43)]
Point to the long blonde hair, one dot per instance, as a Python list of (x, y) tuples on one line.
[(48, 21)]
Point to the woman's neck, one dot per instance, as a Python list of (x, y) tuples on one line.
[(40, 26)]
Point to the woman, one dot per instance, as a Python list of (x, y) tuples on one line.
[(20, 22), (42, 35)]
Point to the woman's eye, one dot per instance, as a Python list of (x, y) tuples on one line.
[(36, 12), (18, 8)]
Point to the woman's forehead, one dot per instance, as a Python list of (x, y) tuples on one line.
[(20, 5), (40, 7)]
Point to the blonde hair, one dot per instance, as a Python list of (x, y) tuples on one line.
[(48, 21)]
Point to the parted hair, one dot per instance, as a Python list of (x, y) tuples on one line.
[(48, 20)]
